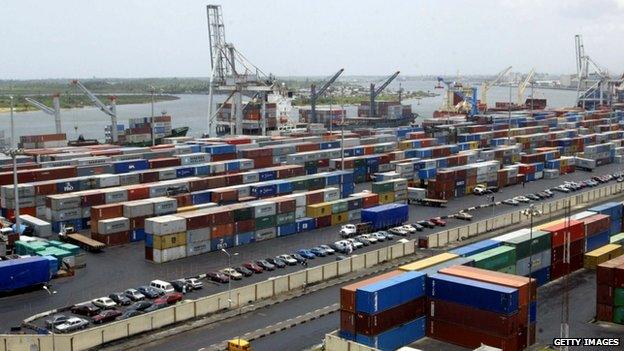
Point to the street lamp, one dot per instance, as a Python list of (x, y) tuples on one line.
[(229, 256), (530, 212), (13, 152)]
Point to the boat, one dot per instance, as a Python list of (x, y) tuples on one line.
[(175, 132)]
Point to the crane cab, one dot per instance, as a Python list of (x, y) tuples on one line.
[(238, 345)]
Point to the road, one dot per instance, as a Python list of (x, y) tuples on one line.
[(122, 267)]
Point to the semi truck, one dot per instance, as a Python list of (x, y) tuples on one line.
[(23, 273), (386, 216), (68, 235)]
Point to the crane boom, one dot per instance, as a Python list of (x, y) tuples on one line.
[(112, 112), (488, 84), (314, 94), (54, 111), (523, 85), (40, 106), (372, 108)]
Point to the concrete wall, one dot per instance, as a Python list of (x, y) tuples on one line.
[(335, 343)]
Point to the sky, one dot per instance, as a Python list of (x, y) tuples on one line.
[(164, 38)]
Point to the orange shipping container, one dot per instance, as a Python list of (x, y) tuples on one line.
[(222, 230), (106, 212)]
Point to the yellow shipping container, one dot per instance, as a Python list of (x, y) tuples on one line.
[(386, 198), (406, 144), (340, 218), (187, 208), (549, 224), (428, 262), (601, 255), (319, 210), (162, 242)]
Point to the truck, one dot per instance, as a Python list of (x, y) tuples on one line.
[(432, 202), (351, 230), (23, 273), (482, 189), (386, 216), (68, 235), (418, 196)]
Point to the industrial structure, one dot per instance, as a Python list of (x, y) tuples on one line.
[(315, 94), (593, 89), (109, 110), (375, 92), (459, 99), (55, 110), (485, 86)]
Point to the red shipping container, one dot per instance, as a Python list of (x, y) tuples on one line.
[(324, 221), (618, 277), (106, 212), (184, 200), (216, 182), (164, 162), (596, 224), (576, 229), (604, 313), (576, 248), (314, 197), (245, 226), (486, 321), (198, 184), (47, 188), (220, 216), (194, 220), (468, 337), (54, 173), (113, 239), (224, 195), (148, 176), (576, 262), (308, 147), (370, 200), (263, 162), (92, 198), (604, 294), (223, 157), (138, 192), (373, 324), (234, 179), (347, 292), (285, 205), (137, 223)]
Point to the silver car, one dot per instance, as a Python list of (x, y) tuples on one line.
[(71, 325)]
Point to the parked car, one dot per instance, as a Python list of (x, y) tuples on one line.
[(327, 249), (549, 192), (463, 216), (355, 244), (218, 277), (419, 228), (253, 267), (149, 292), (426, 224), (288, 259), (363, 240), (533, 197), (341, 246), (195, 283), (522, 198), (306, 253), (299, 258), (438, 221), (140, 305), (180, 285), (86, 309), (170, 298), (511, 202), (388, 235), (71, 325), (134, 294), (410, 228), (129, 314), (55, 320), (106, 316), (156, 306), (318, 251), (620, 179), (380, 237), (398, 231), (277, 262), (161, 286), (246, 272), (266, 265), (120, 299), (104, 303), (541, 195), (562, 189), (232, 273)]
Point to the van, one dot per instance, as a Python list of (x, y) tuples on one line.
[(162, 286)]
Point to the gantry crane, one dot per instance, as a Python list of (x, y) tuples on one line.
[(315, 94), (523, 85), (54, 111), (454, 88), (590, 96), (485, 86), (109, 110), (372, 109)]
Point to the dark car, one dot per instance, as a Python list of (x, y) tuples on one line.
[(362, 240), (56, 320), (418, 227), (306, 253), (253, 267), (218, 277), (106, 316), (86, 309), (140, 305), (426, 224), (438, 221), (156, 306), (276, 262), (319, 251), (170, 298), (129, 314), (337, 248), (266, 265), (148, 291), (181, 286), (299, 258), (244, 271), (120, 299)]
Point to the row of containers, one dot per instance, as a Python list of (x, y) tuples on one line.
[(609, 283), (481, 293)]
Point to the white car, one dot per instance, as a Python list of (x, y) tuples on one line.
[(72, 324), (288, 259), (378, 236), (521, 198), (410, 228), (398, 231), (134, 295), (232, 273), (194, 283), (355, 244), (328, 249), (370, 238), (104, 303), (348, 230)]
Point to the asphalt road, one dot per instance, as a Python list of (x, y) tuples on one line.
[(119, 268)]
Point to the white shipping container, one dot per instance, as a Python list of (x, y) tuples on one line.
[(23, 202), (171, 254), (23, 190), (166, 174), (355, 215), (63, 201), (41, 228), (138, 208), (246, 164), (400, 184), (106, 180), (113, 225), (164, 225), (115, 195), (263, 209), (300, 212), (86, 212), (331, 194), (251, 177), (265, 234), (194, 158), (198, 235), (164, 205), (197, 248)]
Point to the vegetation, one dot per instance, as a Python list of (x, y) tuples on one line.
[(358, 98), (73, 101)]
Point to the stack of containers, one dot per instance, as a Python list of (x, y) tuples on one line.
[(596, 229), (533, 252), (610, 291), (112, 231), (363, 167), (614, 211), (602, 255), (385, 312), (394, 190), (470, 312), (559, 230), (461, 180), (165, 238), (501, 258)]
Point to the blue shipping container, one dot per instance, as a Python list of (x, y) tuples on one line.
[(149, 240), (138, 234), (380, 296), (267, 175), (612, 209), (287, 229), (215, 244), (473, 249), (596, 241), (244, 238), (386, 215), (200, 197), (185, 172), (486, 296), (24, 272), (130, 166), (305, 224), (397, 337)]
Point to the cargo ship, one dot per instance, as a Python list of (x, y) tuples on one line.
[(391, 114), (140, 132)]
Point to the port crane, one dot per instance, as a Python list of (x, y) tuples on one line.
[(109, 110), (372, 109), (55, 110), (485, 86), (594, 89), (452, 89), (523, 85), (232, 74), (315, 94)]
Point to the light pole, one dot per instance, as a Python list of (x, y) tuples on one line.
[(13, 141), (343, 112), (530, 212), (13, 152), (152, 115), (229, 256)]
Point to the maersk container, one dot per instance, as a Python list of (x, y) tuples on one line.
[(387, 215), (389, 293), (24, 272), (596, 241), (475, 248), (395, 338), (486, 296), (130, 166)]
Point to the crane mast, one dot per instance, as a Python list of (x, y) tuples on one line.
[(485, 87), (523, 85), (372, 109), (315, 94), (111, 111), (54, 111)]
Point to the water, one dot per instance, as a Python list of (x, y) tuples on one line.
[(192, 111)]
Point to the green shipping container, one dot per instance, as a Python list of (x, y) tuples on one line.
[(496, 258), (508, 270), (618, 315), (316, 183), (383, 187), (55, 243), (242, 214), (73, 249), (300, 184), (265, 222), (524, 245), (285, 218), (618, 239), (618, 297), (339, 206)]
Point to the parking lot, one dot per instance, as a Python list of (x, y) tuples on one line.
[(123, 267)]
